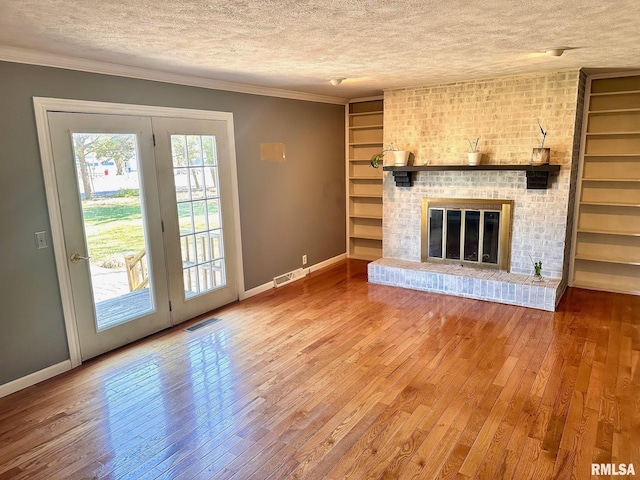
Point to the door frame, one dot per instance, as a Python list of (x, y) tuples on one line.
[(43, 105)]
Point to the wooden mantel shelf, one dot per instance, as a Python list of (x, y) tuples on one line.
[(537, 175)]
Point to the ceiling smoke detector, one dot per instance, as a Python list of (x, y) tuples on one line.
[(555, 52)]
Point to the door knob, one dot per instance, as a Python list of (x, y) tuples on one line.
[(76, 257)]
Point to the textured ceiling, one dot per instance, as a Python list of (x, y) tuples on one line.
[(301, 44)]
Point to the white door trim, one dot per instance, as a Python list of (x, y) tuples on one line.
[(43, 105)]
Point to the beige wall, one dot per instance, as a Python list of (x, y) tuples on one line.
[(435, 122)]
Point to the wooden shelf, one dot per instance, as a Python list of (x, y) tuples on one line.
[(365, 127), (366, 236), (620, 92), (365, 195), (611, 204), (614, 110), (598, 286), (364, 184), (605, 260), (608, 232), (368, 258), (364, 114), (365, 144), (612, 154), (611, 134), (625, 180), (614, 277), (592, 258), (443, 168), (537, 175)]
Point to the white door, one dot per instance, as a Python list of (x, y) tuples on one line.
[(110, 208), (195, 178), (148, 233)]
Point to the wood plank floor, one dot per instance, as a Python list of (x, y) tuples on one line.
[(332, 377)]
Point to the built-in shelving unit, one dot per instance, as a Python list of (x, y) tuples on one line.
[(607, 229), (364, 183)]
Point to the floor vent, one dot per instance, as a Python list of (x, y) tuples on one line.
[(201, 324), (289, 277)]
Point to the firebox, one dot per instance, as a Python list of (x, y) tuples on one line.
[(467, 232)]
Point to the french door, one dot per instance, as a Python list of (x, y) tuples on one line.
[(147, 222), (199, 223)]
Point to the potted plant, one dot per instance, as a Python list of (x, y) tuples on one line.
[(400, 157), (474, 155), (541, 154), (537, 267)]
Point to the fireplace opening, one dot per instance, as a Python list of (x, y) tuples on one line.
[(467, 232)]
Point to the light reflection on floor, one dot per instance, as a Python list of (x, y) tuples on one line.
[(150, 419)]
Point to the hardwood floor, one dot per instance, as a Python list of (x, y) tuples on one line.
[(332, 377)]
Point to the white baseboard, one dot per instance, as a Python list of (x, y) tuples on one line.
[(327, 263), (269, 285), (35, 377), (256, 290)]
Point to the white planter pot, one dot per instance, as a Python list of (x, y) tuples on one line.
[(400, 157), (540, 156), (474, 158)]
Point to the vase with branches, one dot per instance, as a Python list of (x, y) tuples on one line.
[(474, 156), (541, 154), (543, 132)]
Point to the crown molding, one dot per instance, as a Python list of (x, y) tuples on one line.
[(612, 74), (366, 99), (32, 57)]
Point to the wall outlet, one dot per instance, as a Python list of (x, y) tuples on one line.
[(304, 259), (41, 240)]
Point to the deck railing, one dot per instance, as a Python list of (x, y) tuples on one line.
[(137, 273)]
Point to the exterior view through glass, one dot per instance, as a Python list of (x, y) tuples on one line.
[(195, 172), (110, 188)]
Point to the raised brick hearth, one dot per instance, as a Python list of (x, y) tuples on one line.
[(491, 285)]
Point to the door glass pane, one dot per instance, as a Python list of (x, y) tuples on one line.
[(185, 215), (215, 239), (195, 169), (197, 183), (454, 222), (491, 238), (435, 232), (471, 235), (199, 216), (213, 210), (110, 187)]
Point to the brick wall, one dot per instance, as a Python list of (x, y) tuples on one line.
[(435, 122)]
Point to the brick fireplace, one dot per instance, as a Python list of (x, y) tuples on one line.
[(434, 123)]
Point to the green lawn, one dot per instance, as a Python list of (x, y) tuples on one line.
[(114, 226)]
